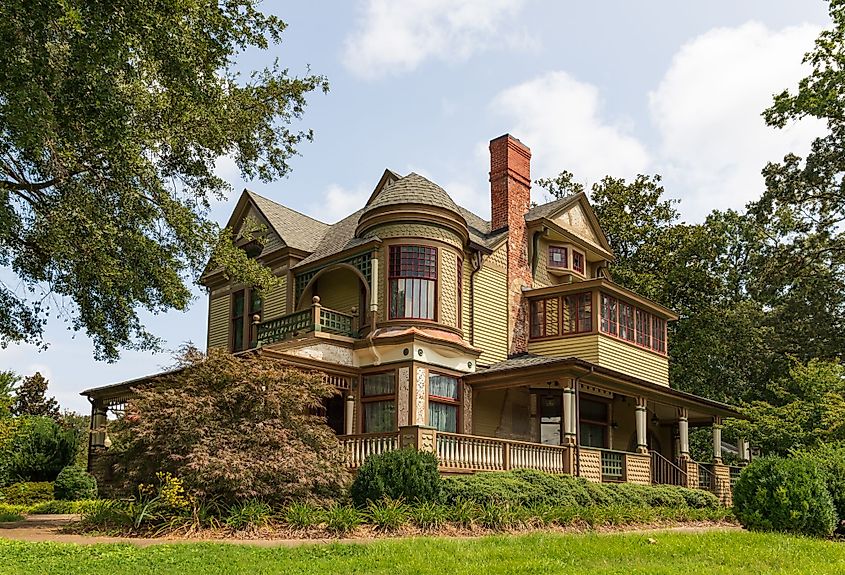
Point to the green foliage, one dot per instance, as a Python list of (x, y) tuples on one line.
[(404, 474), (429, 515), (110, 126), (342, 519), (6, 517), (387, 515), (62, 507), (807, 410), (27, 493), (528, 488), (74, 483), (830, 460), (31, 398), (789, 495), (302, 515), (561, 186), (191, 424), (248, 515), (39, 449), (8, 381)]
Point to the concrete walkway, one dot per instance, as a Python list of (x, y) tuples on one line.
[(40, 528)]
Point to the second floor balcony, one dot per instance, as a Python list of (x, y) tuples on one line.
[(315, 318)]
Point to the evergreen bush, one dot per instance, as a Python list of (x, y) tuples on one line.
[(404, 474), (73, 484), (787, 495), (27, 493)]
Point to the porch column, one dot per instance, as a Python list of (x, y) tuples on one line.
[(569, 413), (744, 450), (683, 432), (717, 440), (350, 414), (642, 443)]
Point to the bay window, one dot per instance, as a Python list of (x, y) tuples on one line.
[(443, 402), (412, 278), (378, 402)]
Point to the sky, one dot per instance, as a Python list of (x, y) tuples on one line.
[(597, 88)]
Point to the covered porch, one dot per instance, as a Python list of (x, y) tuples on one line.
[(571, 417)]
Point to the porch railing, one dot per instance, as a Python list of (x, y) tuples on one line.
[(474, 453), (664, 472), (359, 447), (612, 465), (315, 318)]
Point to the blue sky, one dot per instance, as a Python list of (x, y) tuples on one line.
[(597, 88)]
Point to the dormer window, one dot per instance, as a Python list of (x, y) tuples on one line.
[(558, 257)]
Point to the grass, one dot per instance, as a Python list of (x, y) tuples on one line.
[(630, 554)]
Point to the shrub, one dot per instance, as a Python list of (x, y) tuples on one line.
[(248, 515), (6, 516), (464, 512), (74, 483), (301, 515), (27, 493), (288, 454), (387, 515), (790, 495), (342, 519), (39, 450), (531, 488), (429, 514), (831, 462), (8, 509), (405, 474), (106, 515)]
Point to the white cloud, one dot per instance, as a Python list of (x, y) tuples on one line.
[(561, 119), (708, 106), (395, 37), (338, 202)]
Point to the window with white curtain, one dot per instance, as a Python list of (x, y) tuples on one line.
[(443, 402)]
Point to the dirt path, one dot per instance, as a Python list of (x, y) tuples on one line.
[(36, 528)]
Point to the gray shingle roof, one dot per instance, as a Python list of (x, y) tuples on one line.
[(547, 209), (413, 189), (519, 361), (296, 230), (338, 237)]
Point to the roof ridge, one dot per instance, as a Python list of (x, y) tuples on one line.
[(297, 212)]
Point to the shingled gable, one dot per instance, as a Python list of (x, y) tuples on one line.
[(576, 205)]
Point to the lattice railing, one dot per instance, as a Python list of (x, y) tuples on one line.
[(612, 465), (286, 326), (335, 322)]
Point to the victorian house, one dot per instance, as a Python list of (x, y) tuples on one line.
[(497, 344)]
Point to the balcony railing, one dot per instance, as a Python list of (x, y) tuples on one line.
[(315, 318)]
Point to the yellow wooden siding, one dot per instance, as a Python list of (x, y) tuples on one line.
[(339, 290), (218, 322), (466, 312), (583, 347), (490, 313), (541, 274), (275, 301), (502, 413), (630, 360), (499, 257), (448, 303)]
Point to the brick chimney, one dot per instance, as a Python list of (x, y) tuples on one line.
[(510, 196)]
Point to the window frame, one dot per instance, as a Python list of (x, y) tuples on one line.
[(435, 309), (566, 255), (364, 399), (604, 424), (583, 257), (654, 345), (249, 340), (562, 308), (457, 402), (460, 291)]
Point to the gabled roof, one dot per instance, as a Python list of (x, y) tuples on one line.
[(339, 237), (551, 210), (297, 230)]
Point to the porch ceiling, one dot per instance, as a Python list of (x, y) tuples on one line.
[(533, 370)]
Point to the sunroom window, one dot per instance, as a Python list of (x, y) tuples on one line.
[(412, 277), (632, 324)]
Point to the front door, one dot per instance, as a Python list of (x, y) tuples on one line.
[(335, 413), (551, 408)]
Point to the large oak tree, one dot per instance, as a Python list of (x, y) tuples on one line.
[(112, 115)]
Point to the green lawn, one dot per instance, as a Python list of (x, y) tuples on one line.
[(688, 554)]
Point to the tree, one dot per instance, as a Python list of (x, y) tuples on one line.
[(38, 450), (31, 398), (111, 120), (561, 186), (808, 410), (232, 429), (8, 380)]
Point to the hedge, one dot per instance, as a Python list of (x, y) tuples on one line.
[(27, 493)]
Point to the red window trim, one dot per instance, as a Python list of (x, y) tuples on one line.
[(458, 403), (566, 250), (651, 318), (460, 292), (582, 271), (391, 277), (375, 398), (561, 305)]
